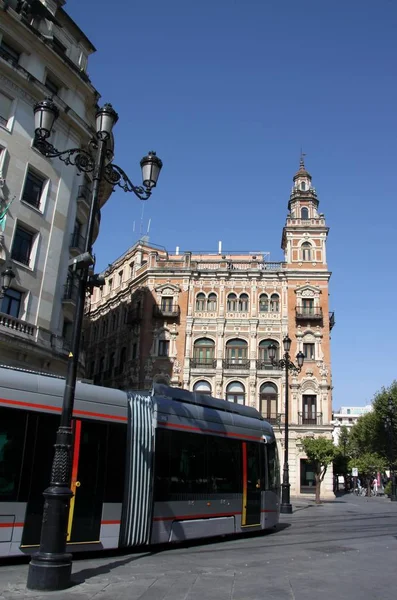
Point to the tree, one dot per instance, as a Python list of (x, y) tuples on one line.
[(321, 452), (368, 465)]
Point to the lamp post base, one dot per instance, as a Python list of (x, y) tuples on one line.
[(49, 572), (286, 508)]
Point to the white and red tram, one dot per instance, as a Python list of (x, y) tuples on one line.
[(148, 467)]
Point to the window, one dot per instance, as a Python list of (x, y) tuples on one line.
[(67, 330), (232, 303), (212, 302), (236, 351), (11, 303), (202, 387), (306, 251), (114, 322), (166, 303), (58, 46), (33, 189), (110, 284), (120, 277), (134, 350), (164, 347), (268, 402), (5, 109), (304, 213), (200, 301), (273, 467), (123, 356), (9, 53), (263, 303), (22, 245), (243, 303), (131, 269), (303, 186), (274, 303), (12, 436), (308, 351), (264, 353), (235, 392), (309, 408), (308, 306), (51, 86), (203, 352)]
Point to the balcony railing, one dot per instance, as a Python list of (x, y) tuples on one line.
[(264, 365), (77, 241), (310, 418), (9, 56), (309, 312), (237, 364), (331, 320), (10, 322), (168, 310), (273, 418), (70, 291), (203, 363)]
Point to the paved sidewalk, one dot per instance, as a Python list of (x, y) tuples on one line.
[(337, 550)]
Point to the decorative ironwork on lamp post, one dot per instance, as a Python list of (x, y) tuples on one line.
[(288, 365), (50, 568), (389, 425)]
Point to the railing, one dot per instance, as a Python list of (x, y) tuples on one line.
[(70, 291), (203, 363), (239, 364), (310, 418), (16, 324), (331, 320), (8, 56), (273, 418), (166, 310), (77, 241), (240, 266), (309, 312), (264, 365)]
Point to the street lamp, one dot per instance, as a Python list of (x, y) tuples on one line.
[(286, 363), (6, 280), (389, 425), (50, 568)]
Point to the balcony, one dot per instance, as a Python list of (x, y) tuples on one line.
[(265, 365), (310, 418), (170, 311), (236, 364), (203, 363), (11, 323), (273, 418), (309, 313), (9, 54), (331, 320), (77, 242)]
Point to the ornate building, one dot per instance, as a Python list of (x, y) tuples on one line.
[(43, 205), (205, 322)]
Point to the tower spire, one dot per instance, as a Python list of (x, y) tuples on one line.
[(302, 161)]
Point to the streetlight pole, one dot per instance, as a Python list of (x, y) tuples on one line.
[(288, 365), (389, 422), (50, 568)]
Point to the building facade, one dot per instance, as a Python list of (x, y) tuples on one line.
[(347, 416), (205, 322), (44, 206)]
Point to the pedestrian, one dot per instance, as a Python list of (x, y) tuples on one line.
[(375, 486)]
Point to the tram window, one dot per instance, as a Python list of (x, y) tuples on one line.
[(273, 468), (187, 464), (116, 451), (224, 465), (12, 438)]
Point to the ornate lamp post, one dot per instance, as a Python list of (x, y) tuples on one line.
[(389, 425), (288, 365), (6, 280), (51, 567)]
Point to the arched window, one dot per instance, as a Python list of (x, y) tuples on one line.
[(243, 303), (232, 303), (264, 359), (235, 392), (274, 303), (309, 346), (204, 353), (212, 302), (306, 251), (114, 321), (200, 302), (303, 186), (268, 402), (236, 353), (304, 213), (202, 387), (263, 303)]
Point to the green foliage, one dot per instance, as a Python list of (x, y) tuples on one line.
[(320, 452), (344, 440), (368, 464), (388, 488), (341, 463)]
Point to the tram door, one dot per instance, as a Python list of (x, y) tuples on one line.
[(252, 477), (88, 481)]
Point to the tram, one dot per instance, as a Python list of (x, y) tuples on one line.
[(148, 467)]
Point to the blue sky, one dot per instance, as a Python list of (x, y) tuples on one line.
[(227, 92)]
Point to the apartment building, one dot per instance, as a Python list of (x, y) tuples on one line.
[(44, 204), (205, 322)]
